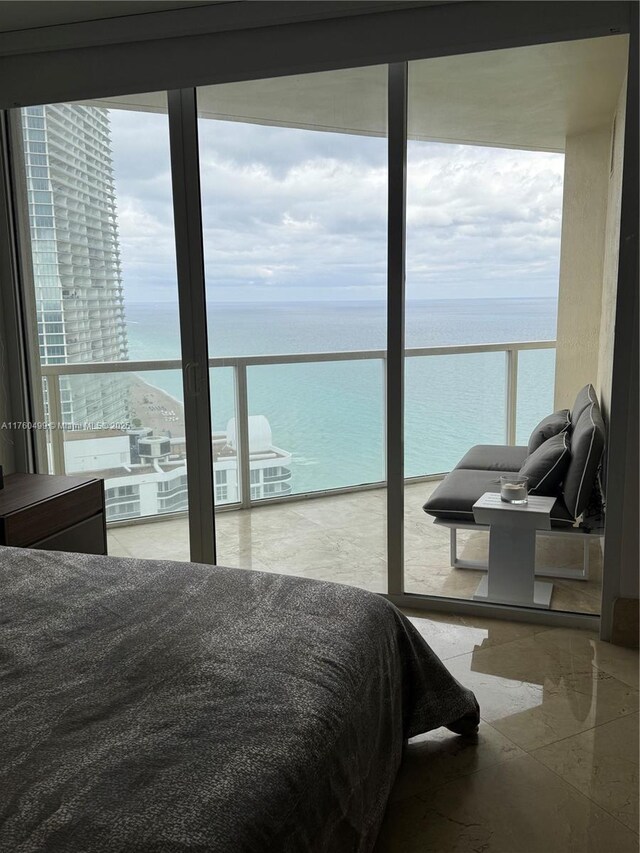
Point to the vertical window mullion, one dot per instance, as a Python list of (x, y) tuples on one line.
[(185, 176), (25, 379), (396, 226)]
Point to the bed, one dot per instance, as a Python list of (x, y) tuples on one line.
[(160, 707)]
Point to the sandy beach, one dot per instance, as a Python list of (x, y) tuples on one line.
[(155, 408)]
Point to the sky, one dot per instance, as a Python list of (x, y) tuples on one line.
[(299, 215)]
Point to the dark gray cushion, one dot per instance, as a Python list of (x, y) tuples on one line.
[(587, 444), (494, 457), (551, 425), (455, 496), (546, 467), (586, 396)]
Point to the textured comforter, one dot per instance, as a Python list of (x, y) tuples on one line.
[(167, 707)]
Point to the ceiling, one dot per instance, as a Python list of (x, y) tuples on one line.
[(530, 97), (16, 15)]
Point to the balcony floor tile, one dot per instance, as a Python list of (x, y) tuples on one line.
[(342, 538)]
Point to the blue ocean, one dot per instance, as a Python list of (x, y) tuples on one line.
[(330, 415)]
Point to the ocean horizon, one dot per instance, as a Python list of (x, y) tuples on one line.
[(330, 415)]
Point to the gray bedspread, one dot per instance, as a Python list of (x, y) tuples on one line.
[(158, 707)]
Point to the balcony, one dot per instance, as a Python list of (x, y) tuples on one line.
[(342, 538), (326, 524)]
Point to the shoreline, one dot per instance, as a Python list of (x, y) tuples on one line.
[(173, 399), (155, 408)]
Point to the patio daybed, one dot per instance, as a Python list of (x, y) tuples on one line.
[(562, 460)]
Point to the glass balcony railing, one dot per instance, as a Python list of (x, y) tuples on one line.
[(536, 381), (452, 402), (288, 425)]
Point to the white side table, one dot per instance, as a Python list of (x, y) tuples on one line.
[(512, 550)]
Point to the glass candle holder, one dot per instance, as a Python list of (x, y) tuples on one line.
[(513, 488)]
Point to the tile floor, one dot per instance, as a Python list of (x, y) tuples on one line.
[(554, 768), (343, 539)]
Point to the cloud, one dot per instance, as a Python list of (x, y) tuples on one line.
[(144, 205), (293, 214), (482, 221)]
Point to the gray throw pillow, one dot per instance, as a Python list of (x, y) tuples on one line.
[(584, 398), (547, 466), (587, 446), (551, 425)]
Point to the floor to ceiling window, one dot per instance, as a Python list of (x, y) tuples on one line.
[(491, 265), (98, 185), (294, 183), (511, 217)]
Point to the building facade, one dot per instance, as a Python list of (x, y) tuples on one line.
[(146, 475), (75, 254)]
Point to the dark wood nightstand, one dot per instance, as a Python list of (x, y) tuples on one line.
[(54, 513)]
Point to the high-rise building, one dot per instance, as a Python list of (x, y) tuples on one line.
[(76, 256)]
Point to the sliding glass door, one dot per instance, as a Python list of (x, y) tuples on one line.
[(313, 347), (104, 312), (294, 184), (508, 185)]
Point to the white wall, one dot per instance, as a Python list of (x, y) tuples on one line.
[(629, 581), (584, 220), (610, 261)]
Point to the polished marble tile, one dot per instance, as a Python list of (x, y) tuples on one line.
[(255, 565), (437, 757), (265, 524), (341, 511), (537, 657), (563, 713), (536, 692), (451, 636), (617, 661), (342, 538), (602, 763), (500, 630), (115, 548), (569, 641), (448, 585), (515, 806), (154, 541), (575, 596), (321, 557), (422, 526), (566, 552), (314, 550)]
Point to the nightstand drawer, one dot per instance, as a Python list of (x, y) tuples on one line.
[(42, 519), (87, 537)]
